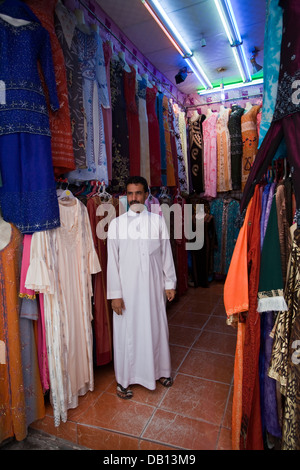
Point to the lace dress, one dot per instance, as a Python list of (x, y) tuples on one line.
[(61, 264)]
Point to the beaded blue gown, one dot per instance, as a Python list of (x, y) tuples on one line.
[(28, 193)]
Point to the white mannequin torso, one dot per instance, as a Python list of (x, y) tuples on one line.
[(5, 233), (122, 57)]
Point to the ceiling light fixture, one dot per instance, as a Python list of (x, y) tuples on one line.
[(229, 22), (162, 19), (232, 86)]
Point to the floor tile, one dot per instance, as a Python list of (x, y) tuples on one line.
[(186, 433), (113, 413), (218, 324), (192, 320), (197, 398), (216, 342), (101, 439), (208, 365), (183, 336), (195, 413), (196, 306), (178, 354)]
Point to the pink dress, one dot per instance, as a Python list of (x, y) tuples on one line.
[(210, 155), (31, 294)]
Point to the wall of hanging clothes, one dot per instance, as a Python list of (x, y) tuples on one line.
[(75, 127), (259, 297), (95, 120)]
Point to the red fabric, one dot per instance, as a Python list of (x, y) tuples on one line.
[(133, 122), (154, 140), (251, 426), (102, 313), (60, 121)]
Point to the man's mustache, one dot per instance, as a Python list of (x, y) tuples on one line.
[(134, 202)]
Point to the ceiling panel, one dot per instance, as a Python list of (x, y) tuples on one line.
[(194, 19)]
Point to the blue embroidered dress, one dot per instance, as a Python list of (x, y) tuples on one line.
[(28, 193)]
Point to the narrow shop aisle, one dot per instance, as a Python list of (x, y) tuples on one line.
[(195, 413)]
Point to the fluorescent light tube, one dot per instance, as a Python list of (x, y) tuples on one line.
[(232, 86), (162, 19), (228, 19)]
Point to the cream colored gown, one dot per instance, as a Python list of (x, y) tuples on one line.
[(61, 263)]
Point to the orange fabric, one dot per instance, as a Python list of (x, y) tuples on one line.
[(236, 297), (12, 398), (251, 427), (250, 141), (60, 121), (236, 300), (236, 417)]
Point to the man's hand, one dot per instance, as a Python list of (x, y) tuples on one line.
[(170, 293), (117, 305)]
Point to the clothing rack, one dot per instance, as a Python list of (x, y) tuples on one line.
[(130, 52), (241, 98)]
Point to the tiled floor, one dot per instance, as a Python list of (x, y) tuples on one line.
[(195, 413)]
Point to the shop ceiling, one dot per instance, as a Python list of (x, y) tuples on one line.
[(200, 25)]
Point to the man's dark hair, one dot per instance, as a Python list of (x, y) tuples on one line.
[(138, 180)]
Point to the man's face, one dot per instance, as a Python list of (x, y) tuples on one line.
[(136, 196)]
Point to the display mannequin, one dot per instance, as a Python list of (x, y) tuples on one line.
[(5, 233), (122, 57), (145, 76), (95, 27), (137, 75), (81, 22), (195, 116)]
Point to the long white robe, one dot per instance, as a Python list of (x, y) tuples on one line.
[(61, 264), (140, 268)]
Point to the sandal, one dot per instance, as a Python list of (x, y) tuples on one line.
[(124, 393), (166, 382)]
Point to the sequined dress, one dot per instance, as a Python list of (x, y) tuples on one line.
[(28, 193)]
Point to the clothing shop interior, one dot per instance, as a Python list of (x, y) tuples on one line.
[(200, 98)]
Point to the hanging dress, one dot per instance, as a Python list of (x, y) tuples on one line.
[(224, 182), (173, 144), (102, 312), (120, 137), (28, 193), (169, 157), (12, 398), (226, 213), (182, 174), (107, 112), (67, 33), (162, 138), (61, 264), (144, 132), (210, 155), (133, 121), (250, 141), (196, 153), (154, 142), (184, 144), (60, 122), (236, 146), (95, 96)]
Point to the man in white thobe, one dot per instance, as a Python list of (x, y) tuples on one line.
[(140, 276)]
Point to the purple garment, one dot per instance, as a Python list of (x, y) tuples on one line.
[(288, 101)]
